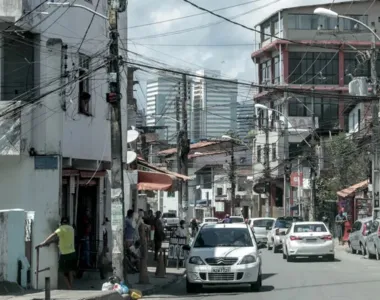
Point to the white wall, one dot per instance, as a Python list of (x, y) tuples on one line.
[(33, 190), (353, 118), (170, 203)]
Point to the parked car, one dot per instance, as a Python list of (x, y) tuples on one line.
[(170, 221), (358, 235), (223, 254), (259, 228), (237, 219), (308, 239), (373, 240), (209, 220), (276, 234)]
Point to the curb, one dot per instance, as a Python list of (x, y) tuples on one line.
[(156, 289)]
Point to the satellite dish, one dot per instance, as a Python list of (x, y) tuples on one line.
[(132, 135), (131, 157)]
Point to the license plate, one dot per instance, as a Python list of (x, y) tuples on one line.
[(221, 270), (311, 240)]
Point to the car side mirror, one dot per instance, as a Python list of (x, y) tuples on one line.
[(269, 228), (283, 233), (186, 247)]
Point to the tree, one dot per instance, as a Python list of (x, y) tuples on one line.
[(347, 164)]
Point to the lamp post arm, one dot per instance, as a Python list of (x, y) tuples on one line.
[(67, 4)]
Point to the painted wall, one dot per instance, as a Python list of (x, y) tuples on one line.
[(12, 243), (33, 190)]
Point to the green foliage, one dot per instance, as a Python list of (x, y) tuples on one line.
[(347, 165)]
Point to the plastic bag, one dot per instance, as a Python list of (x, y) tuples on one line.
[(107, 286), (117, 287), (124, 289), (135, 294)]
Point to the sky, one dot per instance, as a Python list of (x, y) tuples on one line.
[(233, 61)]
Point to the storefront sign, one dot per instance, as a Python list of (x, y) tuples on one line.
[(295, 180)]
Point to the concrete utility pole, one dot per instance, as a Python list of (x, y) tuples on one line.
[(185, 149), (299, 188), (267, 175), (117, 178), (286, 194), (232, 177), (376, 131), (313, 169), (179, 148)]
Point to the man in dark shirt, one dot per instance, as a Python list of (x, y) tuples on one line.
[(159, 234)]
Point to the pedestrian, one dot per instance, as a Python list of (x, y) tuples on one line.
[(340, 220), (149, 220), (67, 258), (194, 227), (181, 230), (159, 235), (129, 229), (227, 219)]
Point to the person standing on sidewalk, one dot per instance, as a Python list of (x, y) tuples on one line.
[(67, 258), (340, 220), (159, 234)]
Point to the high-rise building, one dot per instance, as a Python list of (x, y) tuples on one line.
[(213, 106), (162, 95), (245, 113)]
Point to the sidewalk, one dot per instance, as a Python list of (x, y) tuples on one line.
[(90, 285)]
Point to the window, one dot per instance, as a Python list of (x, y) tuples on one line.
[(223, 237), (275, 24), (274, 152), (313, 68), (282, 224), (356, 68), (171, 194), (258, 153), (84, 105), (294, 150), (310, 228), (311, 22), (265, 31), (352, 25), (263, 223), (359, 119), (266, 72), (276, 70), (327, 111), (219, 191)]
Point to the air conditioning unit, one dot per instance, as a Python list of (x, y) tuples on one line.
[(358, 86)]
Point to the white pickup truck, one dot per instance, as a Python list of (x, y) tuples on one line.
[(170, 221)]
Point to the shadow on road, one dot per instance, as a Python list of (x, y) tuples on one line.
[(313, 260)]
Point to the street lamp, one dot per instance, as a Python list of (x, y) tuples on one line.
[(332, 14), (68, 4)]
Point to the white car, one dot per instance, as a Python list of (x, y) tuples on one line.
[(308, 239), (276, 233), (210, 220), (259, 227), (223, 254)]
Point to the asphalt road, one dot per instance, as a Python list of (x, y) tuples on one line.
[(349, 277)]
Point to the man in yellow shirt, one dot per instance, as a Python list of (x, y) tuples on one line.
[(67, 258)]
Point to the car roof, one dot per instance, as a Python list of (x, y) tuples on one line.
[(365, 220), (236, 217), (308, 222), (264, 218), (226, 225)]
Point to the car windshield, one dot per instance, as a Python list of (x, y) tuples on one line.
[(282, 224), (236, 220), (169, 215), (310, 228), (223, 237), (263, 223)]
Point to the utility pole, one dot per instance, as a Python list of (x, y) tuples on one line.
[(179, 149), (185, 149), (376, 131), (299, 188), (117, 174), (233, 179), (313, 169), (268, 183), (286, 194)]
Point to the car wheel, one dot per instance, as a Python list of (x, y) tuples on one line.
[(192, 288), (275, 249), (283, 254), (353, 251), (289, 258), (362, 250), (256, 286), (377, 253), (269, 246)]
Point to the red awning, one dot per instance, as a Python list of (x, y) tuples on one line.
[(152, 181), (352, 189)]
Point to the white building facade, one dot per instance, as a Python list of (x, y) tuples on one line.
[(55, 128)]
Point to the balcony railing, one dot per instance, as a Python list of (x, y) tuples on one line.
[(10, 128)]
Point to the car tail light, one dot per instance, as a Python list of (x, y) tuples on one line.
[(378, 232), (364, 229), (295, 238), (327, 237)]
